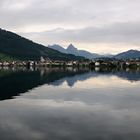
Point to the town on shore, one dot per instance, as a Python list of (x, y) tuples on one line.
[(132, 63)]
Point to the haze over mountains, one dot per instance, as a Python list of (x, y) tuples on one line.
[(71, 49), (13, 46), (128, 54)]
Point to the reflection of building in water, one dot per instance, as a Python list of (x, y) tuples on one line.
[(42, 71), (97, 69), (28, 79)]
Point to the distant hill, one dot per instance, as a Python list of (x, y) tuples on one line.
[(73, 50), (58, 48), (13, 46), (128, 54)]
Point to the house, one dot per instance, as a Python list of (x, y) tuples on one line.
[(97, 64)]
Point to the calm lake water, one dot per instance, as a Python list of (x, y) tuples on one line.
[(69, 104)]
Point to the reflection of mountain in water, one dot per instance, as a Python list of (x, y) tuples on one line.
[(12, 83), (128, 75), (72, 80), (131, 76)]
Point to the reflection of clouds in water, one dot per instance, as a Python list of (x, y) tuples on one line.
[(85, 79), (107, 91), (106, 81), (15, 129), (103, 107), (48, 119), (117, 98), (71, 81), (100, 80)]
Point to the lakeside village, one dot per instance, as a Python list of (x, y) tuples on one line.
[(99, 62)]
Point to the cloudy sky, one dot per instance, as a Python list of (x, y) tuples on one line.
[(102, 26)]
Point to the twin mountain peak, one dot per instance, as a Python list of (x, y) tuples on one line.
[(13, 46), (71, 49)]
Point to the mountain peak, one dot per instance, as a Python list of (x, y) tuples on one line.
[(71, 48), (57, 47), (17, 47), (132, 51), (128, 54)]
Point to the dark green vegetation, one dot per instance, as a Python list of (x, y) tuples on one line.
[(6, 57), (13, 46)]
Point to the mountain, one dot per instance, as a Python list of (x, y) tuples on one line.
[(128, 54), (13, 46), (73, 50), (58, 48)]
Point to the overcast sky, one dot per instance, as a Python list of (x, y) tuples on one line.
[(102, 26)]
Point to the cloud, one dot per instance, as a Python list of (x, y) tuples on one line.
[(79, 21), (127, 33), (67, 13)]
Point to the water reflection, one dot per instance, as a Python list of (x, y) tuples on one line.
[(70, 104), (16, 81)]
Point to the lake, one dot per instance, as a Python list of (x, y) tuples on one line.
[(69, 104)]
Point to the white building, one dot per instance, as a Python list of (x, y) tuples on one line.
[(97, 63)]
